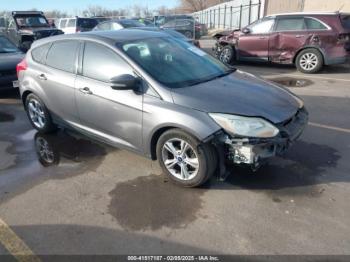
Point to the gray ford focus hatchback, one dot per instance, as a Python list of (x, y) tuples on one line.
[(161, 97)]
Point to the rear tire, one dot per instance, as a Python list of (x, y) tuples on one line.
[(227, 54), (184, 159), (39, 115), (309, 61)]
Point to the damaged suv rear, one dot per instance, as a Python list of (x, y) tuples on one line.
[(308, 40)]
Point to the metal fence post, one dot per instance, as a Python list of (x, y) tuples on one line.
[(214, 17), (219, 17), (240, 16), (231, 17), (259, 6), (210, 18), (225, 18), (250, 11)]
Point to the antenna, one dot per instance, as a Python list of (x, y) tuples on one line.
[(341, 7)]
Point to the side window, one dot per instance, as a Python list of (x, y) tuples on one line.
[(290, 24), (313, 24), (262, 27), (116, 26), (62, 55), (2, 22), (39, 53), (71, 23), (102, 64), (12, 23), (104, 26), (63, 23)]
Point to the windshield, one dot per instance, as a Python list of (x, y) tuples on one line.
[(6, 46), (31, 21), (130, 23), (174, 62)]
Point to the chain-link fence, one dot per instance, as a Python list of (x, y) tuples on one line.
[(230, 15)]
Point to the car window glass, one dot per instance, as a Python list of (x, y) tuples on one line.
[(63, 23), (6, 46), (71, 23), (312, 23), (290, 24), (39, 53), (102, 64), (62, 55), (262, 27), (12, 24), (346, 21), (87, 23)]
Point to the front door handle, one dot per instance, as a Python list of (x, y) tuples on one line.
[(85, 90), (42, 77)]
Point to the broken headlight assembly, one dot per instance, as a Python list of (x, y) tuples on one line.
[(245, 126)]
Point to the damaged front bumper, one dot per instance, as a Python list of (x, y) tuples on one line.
[(254, 151)]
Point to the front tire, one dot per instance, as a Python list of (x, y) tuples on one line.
[(227, 54), (39, 115), (184, 159), (309, 61)]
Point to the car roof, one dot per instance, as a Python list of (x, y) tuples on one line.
[(111, 37), (304, 13)]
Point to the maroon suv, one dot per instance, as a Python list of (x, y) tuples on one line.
[(308, 40)]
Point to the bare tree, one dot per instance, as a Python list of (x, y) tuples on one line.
[(55, 14)]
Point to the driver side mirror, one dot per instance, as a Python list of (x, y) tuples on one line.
[(125, 82), (246, 30)]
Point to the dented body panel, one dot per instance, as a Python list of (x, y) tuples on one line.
[(282, 47)]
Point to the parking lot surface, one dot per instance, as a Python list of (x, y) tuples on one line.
[(101, 200)]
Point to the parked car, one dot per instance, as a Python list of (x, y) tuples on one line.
[(187, 27), (117, 24), (76, 24), (307, 40), (101, 19), (10, 56), (24, 27), (160, 97), (163, 19)]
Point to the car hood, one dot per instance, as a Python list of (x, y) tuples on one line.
[(241, 94), (8, 61)]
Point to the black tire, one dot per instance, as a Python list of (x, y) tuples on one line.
[(205, 153), (25, 46), (188, 34), (48, 126), (227, 54), (317, 61)]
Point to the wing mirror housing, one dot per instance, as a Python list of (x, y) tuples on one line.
[(125, 82), (246, 30)]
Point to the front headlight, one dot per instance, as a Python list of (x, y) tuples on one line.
[(245, 126)]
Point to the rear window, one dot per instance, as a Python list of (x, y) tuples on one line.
[(290, 24), (39, 53), (62, 55), (313, 24), (345, 20), (87, 23)]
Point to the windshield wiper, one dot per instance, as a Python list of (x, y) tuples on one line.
[(203, 80)]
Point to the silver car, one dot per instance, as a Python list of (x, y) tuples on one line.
[(160, 97)]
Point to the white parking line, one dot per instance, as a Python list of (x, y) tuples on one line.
[(345, 130)]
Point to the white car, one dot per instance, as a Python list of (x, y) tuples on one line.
[(76, 24)]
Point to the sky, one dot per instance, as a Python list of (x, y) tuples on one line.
[(71, 5)]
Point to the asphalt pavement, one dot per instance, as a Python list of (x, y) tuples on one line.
[(96, 199)]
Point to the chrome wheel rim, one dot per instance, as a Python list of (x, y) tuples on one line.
[(225, 55), (36, 113), (180, 159), (43, 148), (308, 61)]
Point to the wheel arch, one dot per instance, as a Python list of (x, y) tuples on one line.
[(25, 95), (311, 47)]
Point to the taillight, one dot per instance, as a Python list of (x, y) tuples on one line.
[(344, 38), (22, 66)]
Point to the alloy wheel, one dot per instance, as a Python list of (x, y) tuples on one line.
[(180, 159), (225, 55), (308, 61), (44, 150), (36, 113)]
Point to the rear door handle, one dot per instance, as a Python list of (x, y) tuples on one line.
[(299, 36), (85, 90), (42, 77)]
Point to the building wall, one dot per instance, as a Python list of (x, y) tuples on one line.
[(283, 6), (327, 5)]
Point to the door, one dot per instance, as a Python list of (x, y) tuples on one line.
[(57, 79), (289, 36), (254, 43), (114, 115)]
